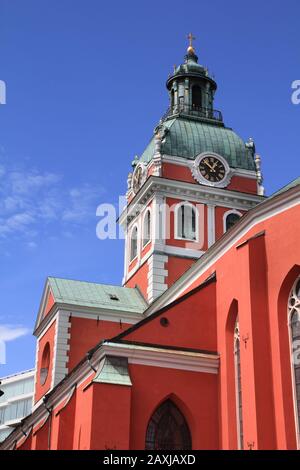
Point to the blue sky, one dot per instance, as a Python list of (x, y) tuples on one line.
[(85, 88)]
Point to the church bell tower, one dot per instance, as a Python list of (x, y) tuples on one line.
[(193, 182)]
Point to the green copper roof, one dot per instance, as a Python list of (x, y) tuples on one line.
[(89, 294), (188, 138), (114, 370), (288, 186)]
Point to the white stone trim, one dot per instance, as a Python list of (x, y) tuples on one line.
[(167, 358), (130, 259), (183, 252), (211, 224), (157, 275), (225, 215), (61, 347), (147, 210)]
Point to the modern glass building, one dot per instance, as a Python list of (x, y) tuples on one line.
[(16, 401)]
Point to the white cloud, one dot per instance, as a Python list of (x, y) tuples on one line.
[(30, 201), (12, 332)]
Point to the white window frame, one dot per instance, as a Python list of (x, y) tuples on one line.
[(226, 214), (295, 406), (176, 210), (148, 211), (131, 259)]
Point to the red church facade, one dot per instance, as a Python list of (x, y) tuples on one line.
[(200, 347)]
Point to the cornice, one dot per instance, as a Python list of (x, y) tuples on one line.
[(189, 191)]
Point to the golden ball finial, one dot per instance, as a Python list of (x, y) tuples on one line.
[(190, 49)]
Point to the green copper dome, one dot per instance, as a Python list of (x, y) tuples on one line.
[(191, 125), (187, 138)]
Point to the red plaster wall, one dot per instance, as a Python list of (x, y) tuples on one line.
[(244, 185), (86, 333), (140, 279), (176, 267), (41, 390), (195, 394), (262, 310), (192, 323), (181, 173), (49, 305), (110, 416)]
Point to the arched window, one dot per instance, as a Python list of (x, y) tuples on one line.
[(231, 219), (147, 228), (133, 243), (185, 220), (168, 429), (196, 97), (238, 384), (294, 322)]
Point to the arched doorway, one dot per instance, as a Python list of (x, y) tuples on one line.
[(168, 429)]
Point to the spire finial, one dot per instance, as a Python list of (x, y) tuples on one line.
[(191, 49)]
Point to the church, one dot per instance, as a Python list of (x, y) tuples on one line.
[(200, 346)]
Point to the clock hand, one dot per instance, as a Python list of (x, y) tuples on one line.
[(209, 165)]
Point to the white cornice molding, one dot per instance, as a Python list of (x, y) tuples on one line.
[(167, 358), (190, 192), (136, 354), (268, 209)]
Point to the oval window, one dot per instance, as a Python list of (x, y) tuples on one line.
[(45, 364)]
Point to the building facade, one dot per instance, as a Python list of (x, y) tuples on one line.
[(16, 400), (199, 349)]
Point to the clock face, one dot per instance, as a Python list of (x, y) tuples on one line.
[(212, 169), (137, 179)]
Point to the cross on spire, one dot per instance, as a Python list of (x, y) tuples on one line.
[(191, 38)]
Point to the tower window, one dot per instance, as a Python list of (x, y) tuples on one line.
[(238, 384), (133, 243), (196, 97), (147, 228), (168, 429), (230, 220), (294, 322), (172, 98), (185, 221)]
